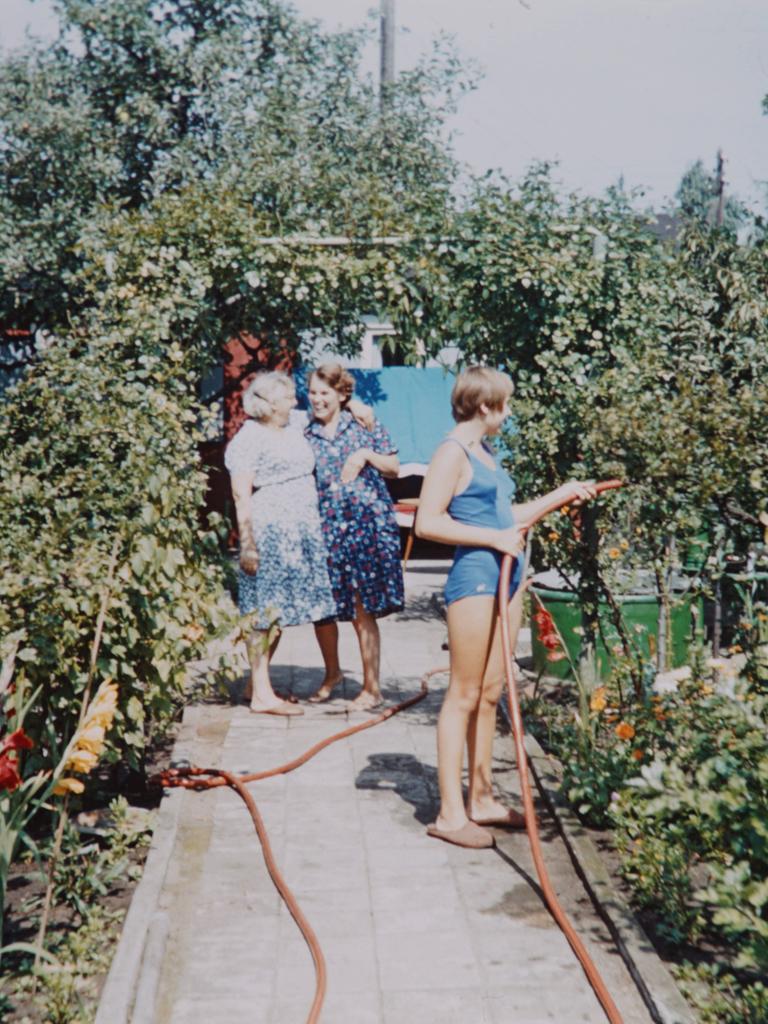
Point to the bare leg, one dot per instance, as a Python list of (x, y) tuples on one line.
[(254, 645), (367, 629), (260, 692), (482, 804), (471, 624), (327, 635)]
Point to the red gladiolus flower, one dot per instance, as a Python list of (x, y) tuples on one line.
[(556, 655), (547, 634), (18, 740), (9, 773)]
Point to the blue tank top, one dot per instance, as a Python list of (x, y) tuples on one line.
[(486, 501)]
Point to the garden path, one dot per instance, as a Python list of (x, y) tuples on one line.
[(414, 931)]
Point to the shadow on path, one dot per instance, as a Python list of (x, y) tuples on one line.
[(413, 781)]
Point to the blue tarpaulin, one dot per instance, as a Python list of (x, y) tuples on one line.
[(413, 403)]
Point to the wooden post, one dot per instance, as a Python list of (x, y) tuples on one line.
[(387, 51)]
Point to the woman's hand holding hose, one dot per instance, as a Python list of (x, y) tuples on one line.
[(510, 541)]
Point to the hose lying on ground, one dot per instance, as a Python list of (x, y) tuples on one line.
[(210, 778)]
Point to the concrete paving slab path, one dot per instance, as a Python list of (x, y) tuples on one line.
[(414, 931)]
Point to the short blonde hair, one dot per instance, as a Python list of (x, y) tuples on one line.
[(476, 386), (336, 377), (262, 392)]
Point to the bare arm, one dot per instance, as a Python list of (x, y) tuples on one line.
[(387, 465), (362, 413), (433, 521), (242, 488), (574, 492)]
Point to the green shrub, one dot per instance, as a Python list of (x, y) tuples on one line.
[(694, 823), (99, 466)]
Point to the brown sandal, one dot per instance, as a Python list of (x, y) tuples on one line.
[(325, 692), (512, 819), (471, 836)]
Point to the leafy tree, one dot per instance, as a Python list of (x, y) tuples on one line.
[(697, 197), (242, 111)]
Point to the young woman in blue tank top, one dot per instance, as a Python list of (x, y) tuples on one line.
[(466, 500)]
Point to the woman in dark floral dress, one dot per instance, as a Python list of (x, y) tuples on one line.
[(359, 526)]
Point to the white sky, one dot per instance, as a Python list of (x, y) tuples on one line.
[(608, 87)]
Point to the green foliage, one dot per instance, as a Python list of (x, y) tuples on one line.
[(693, 823), (94, 463), (147, 151), (65, 987), (88, 869), (721, 997), (697, 197)]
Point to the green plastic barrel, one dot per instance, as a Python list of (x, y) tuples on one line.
[(639, 613)]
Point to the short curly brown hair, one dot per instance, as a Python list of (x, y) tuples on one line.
[(336, 377), (476, 386)]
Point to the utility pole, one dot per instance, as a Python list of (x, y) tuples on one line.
[(387, 74), (720, 189)]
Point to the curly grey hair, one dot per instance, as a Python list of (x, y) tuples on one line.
[(262, 391)]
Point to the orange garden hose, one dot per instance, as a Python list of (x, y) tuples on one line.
[(531, 825), (210, 778)]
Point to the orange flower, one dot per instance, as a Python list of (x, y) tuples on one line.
[(68, 786), (625, 731), (614, 552), (638, 754), (553, 535), (598, 699)]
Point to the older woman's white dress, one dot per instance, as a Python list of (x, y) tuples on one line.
[(291, 585)]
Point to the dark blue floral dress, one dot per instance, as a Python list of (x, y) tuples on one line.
[(358, 520)]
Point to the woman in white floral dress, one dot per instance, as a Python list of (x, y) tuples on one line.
[(283, 575)]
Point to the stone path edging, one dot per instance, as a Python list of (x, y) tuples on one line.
[(142, 936), (654, 982)]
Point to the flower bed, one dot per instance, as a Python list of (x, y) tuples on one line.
[(680, 778)]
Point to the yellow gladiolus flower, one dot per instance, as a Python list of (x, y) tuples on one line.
[(91, 739), (103, 706), (68, 786), (81, 761), (99, 719)]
